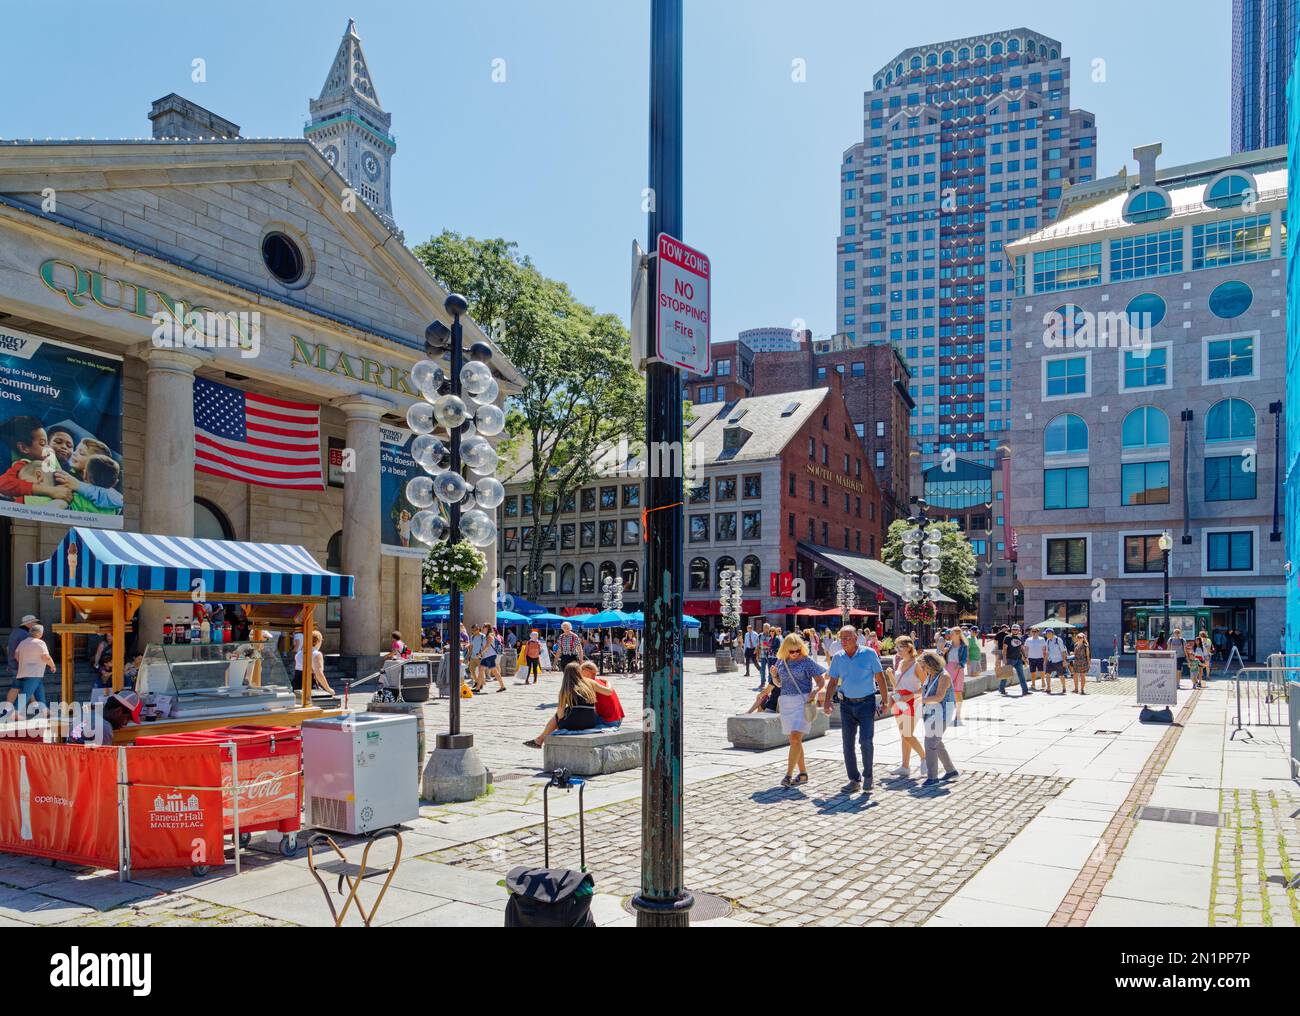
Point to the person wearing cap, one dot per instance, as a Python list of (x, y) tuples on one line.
[(16, 638), (120, 708)]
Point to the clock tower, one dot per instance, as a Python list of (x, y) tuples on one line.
[(351, 129)]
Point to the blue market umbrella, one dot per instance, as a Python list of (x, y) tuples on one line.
[(636, 619), (548, 620), (607, 619)]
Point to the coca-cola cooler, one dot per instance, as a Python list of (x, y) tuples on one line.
[(270, 777), (358, 772)]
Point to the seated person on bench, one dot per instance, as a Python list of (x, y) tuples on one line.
[(608, 707), (766, 700), (576, 706)]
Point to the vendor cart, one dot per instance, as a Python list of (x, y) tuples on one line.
[(101, 578), (268, 764)]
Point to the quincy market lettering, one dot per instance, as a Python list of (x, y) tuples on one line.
[(832, 477), (82, 286)]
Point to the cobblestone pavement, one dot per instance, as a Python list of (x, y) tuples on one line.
[(1255, 856), (808, 855)]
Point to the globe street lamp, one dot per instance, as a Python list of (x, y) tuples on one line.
[(462, 404), (921, 570), (845, 598), (1166, 545), (611, 598)]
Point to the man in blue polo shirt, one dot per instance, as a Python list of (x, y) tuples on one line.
[(856, 670)]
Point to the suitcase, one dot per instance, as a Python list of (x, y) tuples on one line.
[(549, 897)]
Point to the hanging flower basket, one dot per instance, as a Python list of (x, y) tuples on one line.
[(920, 612), (447, 564)]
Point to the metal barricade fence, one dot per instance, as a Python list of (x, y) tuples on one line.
[(1262, 695), (1294, 701)]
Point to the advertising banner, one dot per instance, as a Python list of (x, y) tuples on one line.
[(174, 825), (1157, 678), (60, 432), (396, 467), (59, 801)]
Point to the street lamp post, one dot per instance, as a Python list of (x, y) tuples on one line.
[(611, 598), (1166, 545), (845, 598), (920, 566), (454, 771)]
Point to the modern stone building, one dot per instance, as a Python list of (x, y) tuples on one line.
[(966, 145), (98, 237), (1150, 371), (1264, 36), (1291, 413), (783, 487)]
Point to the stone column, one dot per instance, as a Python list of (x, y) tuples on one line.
[(167, 500), (360, 638)]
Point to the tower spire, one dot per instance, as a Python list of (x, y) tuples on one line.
[(351, 129)]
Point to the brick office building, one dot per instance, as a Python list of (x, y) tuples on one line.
[(875, 384)]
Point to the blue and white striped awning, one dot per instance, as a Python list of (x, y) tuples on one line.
[(108, 559)]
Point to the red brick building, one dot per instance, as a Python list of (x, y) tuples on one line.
[(875, 385)]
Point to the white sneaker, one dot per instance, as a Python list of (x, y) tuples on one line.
[(903, 771)]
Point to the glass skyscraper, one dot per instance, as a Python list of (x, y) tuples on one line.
[(1263, 51), (967, 145)]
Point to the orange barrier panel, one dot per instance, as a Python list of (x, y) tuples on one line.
[(59, 801), (174, 806)]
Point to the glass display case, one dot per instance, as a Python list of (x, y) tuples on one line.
[(186, 681)]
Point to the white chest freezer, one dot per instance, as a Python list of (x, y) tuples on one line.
[(357, 772)]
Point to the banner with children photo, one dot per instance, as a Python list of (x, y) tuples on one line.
[(396, 467), (60, 432)]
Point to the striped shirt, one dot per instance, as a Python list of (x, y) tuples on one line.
[(569, 644)]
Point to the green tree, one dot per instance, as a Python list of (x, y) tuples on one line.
[(580, 390), (956, 558)]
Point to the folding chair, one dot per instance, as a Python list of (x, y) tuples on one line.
[(353, 874)]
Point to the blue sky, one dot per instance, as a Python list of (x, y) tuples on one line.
[(555, 156)]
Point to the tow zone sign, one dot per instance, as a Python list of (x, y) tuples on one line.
[(682, 338)]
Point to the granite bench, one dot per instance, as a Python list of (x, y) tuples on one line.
[(593, 753), (761, 731)]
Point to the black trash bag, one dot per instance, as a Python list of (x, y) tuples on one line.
[(549, 898)]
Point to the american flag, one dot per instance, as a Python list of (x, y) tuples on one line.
[(256, 439)]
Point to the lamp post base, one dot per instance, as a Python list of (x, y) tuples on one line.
[(653, 913), (453, 774)]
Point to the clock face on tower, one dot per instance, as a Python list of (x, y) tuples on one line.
[(370, 166), (331, 155)]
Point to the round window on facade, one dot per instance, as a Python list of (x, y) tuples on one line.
[(283, 258), (1145, 311), (1231, 299), (1228, 191)]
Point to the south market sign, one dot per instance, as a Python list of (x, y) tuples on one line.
[(83, 286)]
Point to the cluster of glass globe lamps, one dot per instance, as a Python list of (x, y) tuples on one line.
[(477, 418)]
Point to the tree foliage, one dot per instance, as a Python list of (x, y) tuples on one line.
[(580, 389), (956, 558)]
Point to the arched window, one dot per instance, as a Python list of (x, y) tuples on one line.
[(1230, 420), (567, 575), (1231, 299), (932, 59), (209, 522), (725, 564), (947, 56), (698, 577), (510, 576), (1013, 46), (1229, 191), (1147, 205), (916, 63), (1146, 427), (963, 54), (1145, 310), (587, 578), (1066, 435), (608, 570), (631, 573), (548, 578), (996, 49), (334, 552), (525, 583), (980, 52), (751, 572)]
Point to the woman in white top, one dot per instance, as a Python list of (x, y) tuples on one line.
[(317, 666), (33, 657), (906, 683)]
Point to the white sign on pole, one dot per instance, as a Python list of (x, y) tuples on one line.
[(1157, 678), (682, 304)]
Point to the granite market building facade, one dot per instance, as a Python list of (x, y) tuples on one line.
[(314, 298)]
